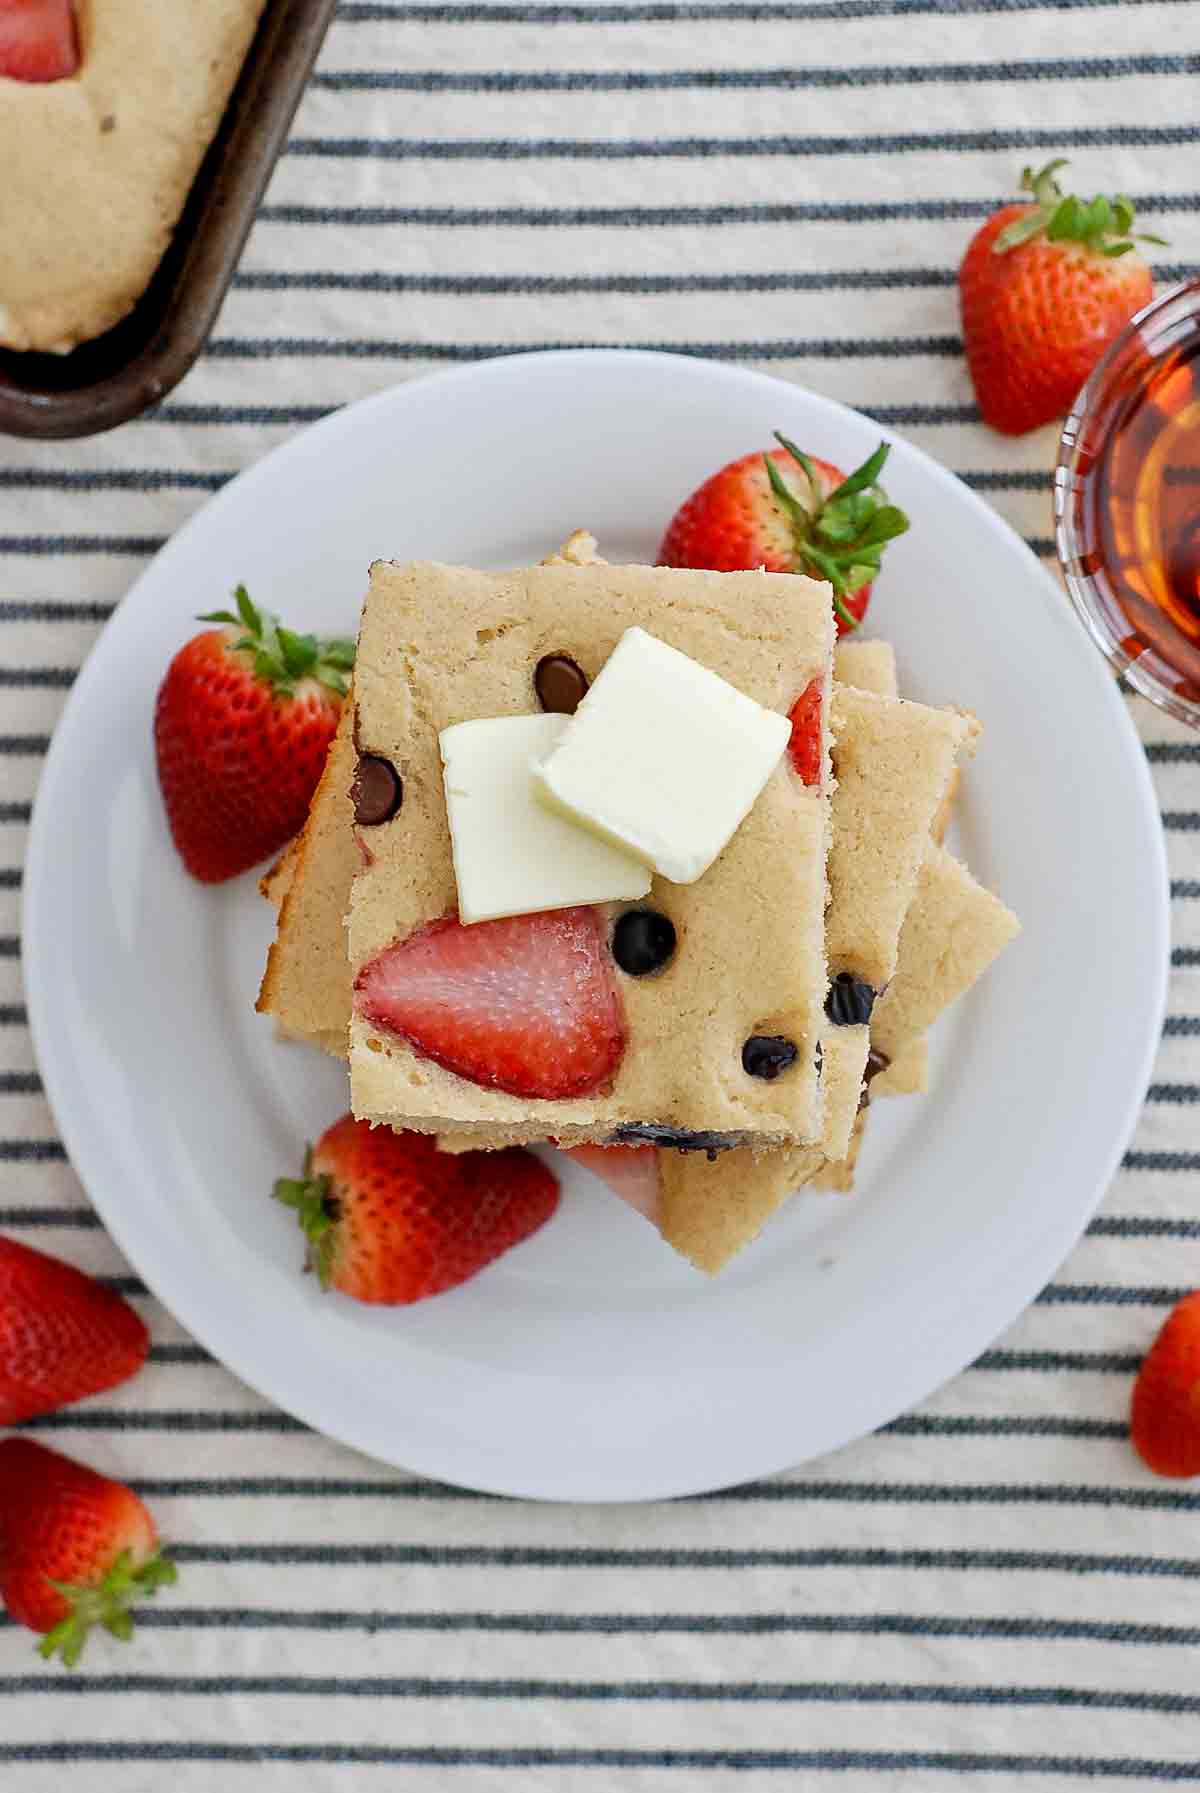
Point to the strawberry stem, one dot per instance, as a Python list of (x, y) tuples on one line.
[(106, 1604), (1105, 225), (281, 657), (840, 536), (316, 1208)]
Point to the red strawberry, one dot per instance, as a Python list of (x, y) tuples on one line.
[(38, 40), (528, 1004), (806, 746), (391, 1219), (242, 725), (790, 513), (76, 1550), (1164, 1421), (1043, 289), (62, 1336)]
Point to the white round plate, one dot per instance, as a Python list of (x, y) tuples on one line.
[(591, 1363)]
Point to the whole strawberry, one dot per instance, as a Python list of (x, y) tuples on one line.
[(62, 1335), (789, 512), (1164, 1420), (76, 1549), (390, 1219), (242, 725), (1043, 290)]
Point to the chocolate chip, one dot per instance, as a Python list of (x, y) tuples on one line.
[(560, 684), (643, 941), (850, 1001), (767, 1055), (679, 1139), (377, 791), (876, 1062), (107, 123)]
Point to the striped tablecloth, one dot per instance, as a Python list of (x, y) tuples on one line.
[(991, 1588)]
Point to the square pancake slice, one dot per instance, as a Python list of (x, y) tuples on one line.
[(442, 645)]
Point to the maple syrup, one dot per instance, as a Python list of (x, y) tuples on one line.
[(1133, 507)]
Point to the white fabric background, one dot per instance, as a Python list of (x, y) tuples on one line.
[(990, 1591)]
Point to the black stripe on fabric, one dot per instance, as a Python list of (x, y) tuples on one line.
[(13, 1014), (615, 1624), (1110, 1295), (48, 610), (479, 1556), (124, 1285), (1173, 1161), (1142, 1226), (189, 1420), (81, 544), (601, 149), (82, 1218), (275, 280), (1181, 821), (172, 1420), (262, 416), (1182, 957), (39, 678), (368, 348), (18, 1083), (419, 1687), (661, 217), (541, 285), (1172, 753), (32, 1151), (180, 1354), (15, 812), (936, 1425), (878, 1493), (902, 416), (23, 746), (667, 12), (10, 877), (834, 1761), (109, 479), (775, 80), (1181, 1027), (1178, 1095), (1112, 1363), (1185, 888)]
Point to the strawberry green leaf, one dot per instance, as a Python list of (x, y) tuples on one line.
[(218, 616), (888, 522), (793, 509), (299, 652), (312, 1200), (338, 653), (1100, 224), (1030, 224), (247, 611), (806, 466), (106, 1603), (863, 476)]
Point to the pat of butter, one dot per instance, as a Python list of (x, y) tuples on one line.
[(511, 855), (662, 757)]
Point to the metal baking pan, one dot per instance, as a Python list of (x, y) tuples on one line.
[(132, 366)]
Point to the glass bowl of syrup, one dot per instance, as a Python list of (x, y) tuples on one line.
[(1127, 503)]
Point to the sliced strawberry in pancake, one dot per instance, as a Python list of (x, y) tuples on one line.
[(38, 40)]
